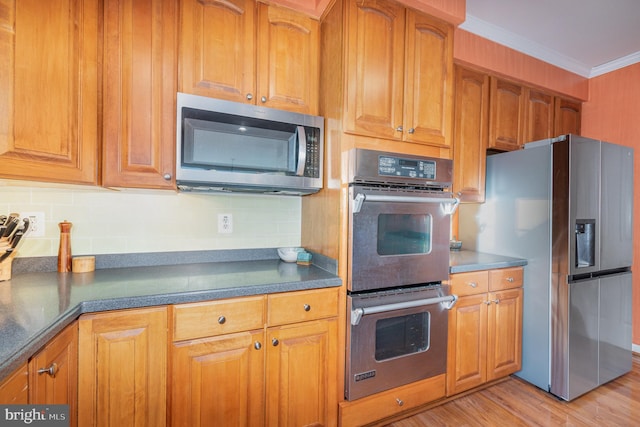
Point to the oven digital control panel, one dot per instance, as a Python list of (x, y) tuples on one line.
[(411, 168)]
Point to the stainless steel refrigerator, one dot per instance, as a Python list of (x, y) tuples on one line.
[(565, 205)]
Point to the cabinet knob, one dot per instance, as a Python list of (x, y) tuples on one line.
[(257, 345), (51, 370), (510, 279), (307, 307), (222, 319), (472, 284), (275, 342), (487, 302), (412, 130), (167, 176), (497, 301), (399, 401), (249, 97), (263, 99), (399, 129)]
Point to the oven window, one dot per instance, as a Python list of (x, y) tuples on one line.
[(402, 335), (403, 234)]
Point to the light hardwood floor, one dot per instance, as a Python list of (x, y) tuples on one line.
[(517, 403)]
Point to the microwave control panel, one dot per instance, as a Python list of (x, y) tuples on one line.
[(410, 168)]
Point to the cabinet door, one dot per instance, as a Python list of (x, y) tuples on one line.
[(567, 116), (539, 116), (467, 346), (217, 49), (218, 381), (48, 81), (428, 96), (375, 68), (14, 390), (123, 368), (504, 348), (302, 374), (288, 60), (139, 93), (506, 120), (471, 132), (53, 372)]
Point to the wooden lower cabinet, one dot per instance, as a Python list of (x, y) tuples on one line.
[(53, 373), (485, 328), (14, 390), (123, 368), (282, 375)]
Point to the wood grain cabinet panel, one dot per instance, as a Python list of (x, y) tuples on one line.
[(49, 85), (506, 119), (485, 328), (471, 134), (53, 372), (14, 390), (251, 52), (140, 71), (399, 74), (123, 368), (539, 116), (567, 116)]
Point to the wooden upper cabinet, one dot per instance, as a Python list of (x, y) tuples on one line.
[(254, 53), (567, 116), (428, 96), (539, 116), (48, 80), (140, 72), (399, 74), (217, 49), (471, 132), (507, 111), (375, 68)]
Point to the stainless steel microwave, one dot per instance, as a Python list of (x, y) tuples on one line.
[(225, 146)]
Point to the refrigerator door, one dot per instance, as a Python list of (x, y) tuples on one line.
[(615, 356), (584, 205), (616, 219)]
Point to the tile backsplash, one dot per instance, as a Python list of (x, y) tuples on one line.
[(109, 221)]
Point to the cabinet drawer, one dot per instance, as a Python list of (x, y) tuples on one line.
[(474, 282), (205, 319), (301, 306), (505, 278)]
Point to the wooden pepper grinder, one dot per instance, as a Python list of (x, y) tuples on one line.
[(64, 251)]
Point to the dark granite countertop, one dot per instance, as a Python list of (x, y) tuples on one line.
[(464, 261), (35, 306)]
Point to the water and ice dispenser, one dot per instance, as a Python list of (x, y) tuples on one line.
[(585, 231)]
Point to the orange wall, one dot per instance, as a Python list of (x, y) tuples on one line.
[(613, 114)]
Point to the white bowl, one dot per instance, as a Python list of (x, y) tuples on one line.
[(289, 254)]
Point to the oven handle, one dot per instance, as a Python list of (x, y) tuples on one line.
[(449, 205), (358, 313)]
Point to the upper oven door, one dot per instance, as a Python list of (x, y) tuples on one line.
[(398, 237)]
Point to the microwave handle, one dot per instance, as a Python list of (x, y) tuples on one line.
[(301, 138)]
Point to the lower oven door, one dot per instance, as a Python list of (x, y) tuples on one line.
[(397, 236), (396, 338)]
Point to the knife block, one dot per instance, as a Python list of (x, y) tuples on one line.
[(5, 267)]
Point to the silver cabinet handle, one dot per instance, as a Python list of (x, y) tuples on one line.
[(399, 129), (263, 99), (257, 345), (412, 130), (167, 176), (487, 302), (221, 320), (399, 401), (307, 307), (497, 301), (275, 342), (249, 97), (510, 279), (472, 284), (51, 370)]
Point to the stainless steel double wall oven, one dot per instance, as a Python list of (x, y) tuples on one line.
[(400, 216)]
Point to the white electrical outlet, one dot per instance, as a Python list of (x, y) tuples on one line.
[(225, 223), (36, 223)]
